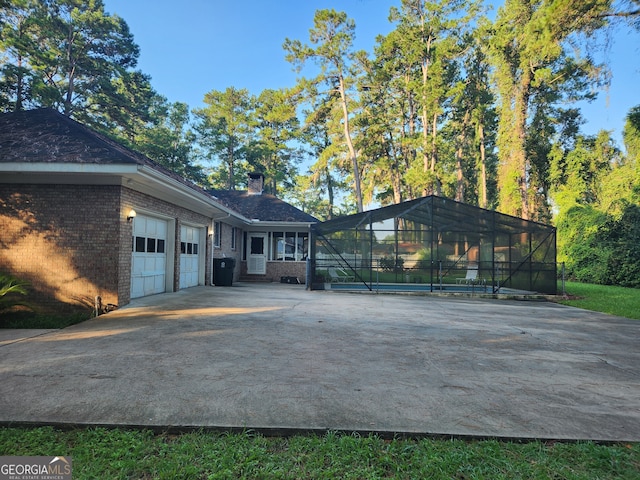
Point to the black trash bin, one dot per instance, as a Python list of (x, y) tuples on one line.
[(223, 271)]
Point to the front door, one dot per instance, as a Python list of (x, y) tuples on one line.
[(257, 255)]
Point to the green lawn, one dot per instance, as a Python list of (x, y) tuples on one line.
[(142, 454), (624, 302), (31, 319)]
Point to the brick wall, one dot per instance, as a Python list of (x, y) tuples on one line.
[(276, 270), (63, 239), (73, 242), (225, 250)]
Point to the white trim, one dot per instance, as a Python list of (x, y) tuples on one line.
[(52, 167), (217, 234), (280, 225), (141, 178), (151, 213)]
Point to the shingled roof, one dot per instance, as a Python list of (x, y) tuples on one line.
[(263, 207), (46, 136)]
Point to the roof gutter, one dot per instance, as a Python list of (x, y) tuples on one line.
[(256, 222), (50, 167)]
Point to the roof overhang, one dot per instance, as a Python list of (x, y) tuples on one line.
[(283, 225), (140, 178)]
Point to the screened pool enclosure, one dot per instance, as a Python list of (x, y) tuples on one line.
[(433, 244)]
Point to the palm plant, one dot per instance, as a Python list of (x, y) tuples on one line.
[(9, 288)]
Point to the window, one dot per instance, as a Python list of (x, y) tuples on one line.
[(148, 245), (217, 233), (257, 245), (289, 246), (277, 246), (140, 243), (233, 237), (302, 246), (188, 248)]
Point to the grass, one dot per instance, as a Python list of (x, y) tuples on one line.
[(624, 302), (621, 301), (31, 319), (143, 454)]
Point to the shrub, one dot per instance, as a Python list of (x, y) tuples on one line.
[(621, 237), (10, 289), (391, 264), (600, 248)]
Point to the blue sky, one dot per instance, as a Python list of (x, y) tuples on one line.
[(194, 46)]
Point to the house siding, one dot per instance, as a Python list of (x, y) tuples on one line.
[(225, 250), (276, 270), (73, 242), (63, 239)]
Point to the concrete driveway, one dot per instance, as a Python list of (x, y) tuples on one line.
[(271, 356)]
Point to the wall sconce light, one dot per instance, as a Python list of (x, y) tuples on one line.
[(131, 215)]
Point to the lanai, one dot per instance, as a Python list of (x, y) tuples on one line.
[(434, 243)]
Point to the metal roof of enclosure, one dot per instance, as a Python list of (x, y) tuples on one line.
[(434, 243)]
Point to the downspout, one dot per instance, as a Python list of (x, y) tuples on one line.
[(311, 256), (212, 232)]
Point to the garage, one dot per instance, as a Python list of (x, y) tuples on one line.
[(190, 255), (149, 256)]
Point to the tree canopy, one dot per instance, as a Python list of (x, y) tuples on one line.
[(449, 102)]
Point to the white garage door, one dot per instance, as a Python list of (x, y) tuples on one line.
[(189, 256), (149, 257)]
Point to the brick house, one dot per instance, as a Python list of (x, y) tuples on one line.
[(82, 217)]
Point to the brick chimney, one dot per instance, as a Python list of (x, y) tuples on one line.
[(256, 184)]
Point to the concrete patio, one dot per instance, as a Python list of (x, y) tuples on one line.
[(278, 358)]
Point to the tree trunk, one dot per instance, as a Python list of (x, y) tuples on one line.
[(513, 164), (231, 170), (19, 85), (462, 140), (352, 151), (71, 73), (483, 168), (330, 214), (459, 175), (520, 155), (437, 187)]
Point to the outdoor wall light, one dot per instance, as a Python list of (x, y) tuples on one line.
[(131, 215)]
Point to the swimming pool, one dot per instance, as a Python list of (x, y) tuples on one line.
[(421, 288)]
